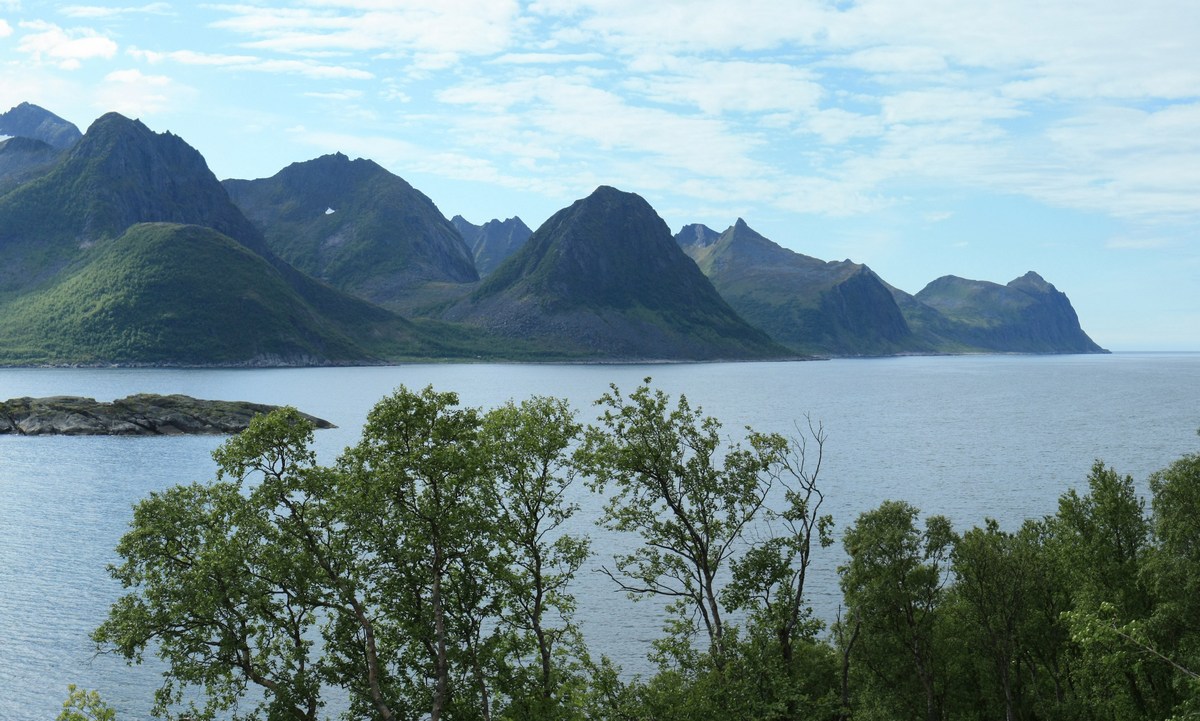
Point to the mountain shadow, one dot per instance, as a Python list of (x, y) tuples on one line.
[(30, 121)]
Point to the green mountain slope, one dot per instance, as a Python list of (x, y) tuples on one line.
[(1028, 315), (357, 227), (178, 294), (118, 174), (604, 279), (835, 308)]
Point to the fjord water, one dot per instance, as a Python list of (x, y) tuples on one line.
[(968, 437)]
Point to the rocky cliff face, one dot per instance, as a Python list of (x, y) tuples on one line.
[(23, 160), (1028, 315), (605, 278), (835, 308), (492, 242)]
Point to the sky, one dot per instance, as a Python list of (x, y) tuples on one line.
[(923, 138)]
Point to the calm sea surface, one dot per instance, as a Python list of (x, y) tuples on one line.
[(967, 437)]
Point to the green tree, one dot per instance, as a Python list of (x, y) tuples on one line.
[(893, 584), (218, 586), (84, 705), (422, 525), (400, 573), (1009, 595), (1103, 538), (768, 580), (527, 446), (665, 481)]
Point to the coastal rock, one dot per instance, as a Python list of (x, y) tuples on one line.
[(143, 414)]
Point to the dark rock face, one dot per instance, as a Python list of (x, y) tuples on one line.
[(605, 279), (1028, 315), (136, 415), (356, 226), (834, 308), (124, 173), (30, 121), (119, 174), (494, 241)]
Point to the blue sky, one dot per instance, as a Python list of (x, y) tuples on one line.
[(921, 137)]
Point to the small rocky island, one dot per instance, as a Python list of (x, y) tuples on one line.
[(143, 414)]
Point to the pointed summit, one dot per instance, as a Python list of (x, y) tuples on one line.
[(124, 173), (492, 242), (836, 308), (120, 173), (604, 278)]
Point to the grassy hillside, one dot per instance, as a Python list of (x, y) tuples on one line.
[(165, 293)]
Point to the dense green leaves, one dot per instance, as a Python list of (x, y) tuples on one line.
[(427, 574)]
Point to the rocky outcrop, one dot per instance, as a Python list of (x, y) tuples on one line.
[(492, 242), (137, 415)]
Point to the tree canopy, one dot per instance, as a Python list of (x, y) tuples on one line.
[(428, 574)]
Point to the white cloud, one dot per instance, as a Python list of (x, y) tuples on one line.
[(836, 126), (437, 30), (940, 105), (306, 68), (1132, 243), (5, 29), (722, 86), (547, 58), (132, 93), (46, 42), (100, 11)]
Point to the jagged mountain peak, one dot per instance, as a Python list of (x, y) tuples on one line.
[(121, 172), (696, 235), (605, 278), (494, 241), (1032, 282)]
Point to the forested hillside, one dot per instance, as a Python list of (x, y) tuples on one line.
[(435, 560)]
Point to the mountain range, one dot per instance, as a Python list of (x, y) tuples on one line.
[(119, 246)]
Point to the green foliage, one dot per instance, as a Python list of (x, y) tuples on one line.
[(690, 507), (84, 705), (894, 584), (428, 573)]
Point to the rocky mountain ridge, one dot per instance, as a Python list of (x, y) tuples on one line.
[(341, 261)]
